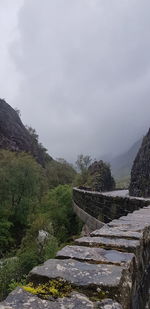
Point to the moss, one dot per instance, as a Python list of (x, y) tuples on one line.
[(51, 289), (100, 293)]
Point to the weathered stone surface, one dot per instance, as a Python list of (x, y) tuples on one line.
[(107, 231), (124, 194), (15, 137), (19, 299), (106, 207), (96, 255), (78, 274), (140, 173), (108, 304), (98, 273), (101, 178), (91, 222), (133, 226), (109, 243)]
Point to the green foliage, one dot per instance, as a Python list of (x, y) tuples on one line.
[(6, 239), (83, 162), (58, 207), (14, 284), (59, 172), (28, 259), (97, 176), (13, 271), (21, 187), (8, 272), (38, 147), (27, 207), (123, 183), (83, 178), (50, 249)]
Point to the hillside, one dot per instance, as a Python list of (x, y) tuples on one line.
[(122, 164), (14, 135)]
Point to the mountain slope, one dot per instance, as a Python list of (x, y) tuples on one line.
[(15, 137), (122, 164)]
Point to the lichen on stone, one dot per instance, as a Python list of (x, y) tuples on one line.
[(51, 289)]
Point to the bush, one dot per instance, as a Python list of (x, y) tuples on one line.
[(21, 187), (58, 207)]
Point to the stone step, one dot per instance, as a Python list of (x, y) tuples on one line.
[(19, 299), (128, 225), (120, 244), (136, 218), (96, 255), (78, 273), (107, 231), (94, 280)]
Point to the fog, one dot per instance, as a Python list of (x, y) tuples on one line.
[(79, 71)]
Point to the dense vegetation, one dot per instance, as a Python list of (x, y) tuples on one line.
[(36, 216)]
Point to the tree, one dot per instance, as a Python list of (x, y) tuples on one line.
[(18, 111), (60, 172), (33, 134), (83, 163), (21, 188), (59, 210)]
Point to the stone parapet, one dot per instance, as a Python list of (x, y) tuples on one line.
[(108, 269), (107, 206)]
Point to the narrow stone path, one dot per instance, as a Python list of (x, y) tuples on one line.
[(109, 269)]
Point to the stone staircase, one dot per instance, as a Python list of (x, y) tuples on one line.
[(108, 270)]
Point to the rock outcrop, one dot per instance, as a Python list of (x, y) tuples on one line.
[(140, 174), (102, 179), (15, 137)]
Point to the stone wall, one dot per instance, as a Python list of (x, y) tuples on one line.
[(91, 222), (108, 269), (105, 207)]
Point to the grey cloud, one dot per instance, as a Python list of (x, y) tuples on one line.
[(85, 72)]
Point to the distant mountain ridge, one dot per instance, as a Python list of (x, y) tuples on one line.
[(122, 164), (14, 135)]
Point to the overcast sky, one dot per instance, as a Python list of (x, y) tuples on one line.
[(79, 71)]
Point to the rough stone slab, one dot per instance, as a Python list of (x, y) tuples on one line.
[(106, 231), (123, 194), (20, 299), (128, 226), (96, 255), (144, 218), (108, 304), (109, 243), (78, 274)]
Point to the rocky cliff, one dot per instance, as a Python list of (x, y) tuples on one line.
[(15, 137), (101, 176), (140, 174)]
